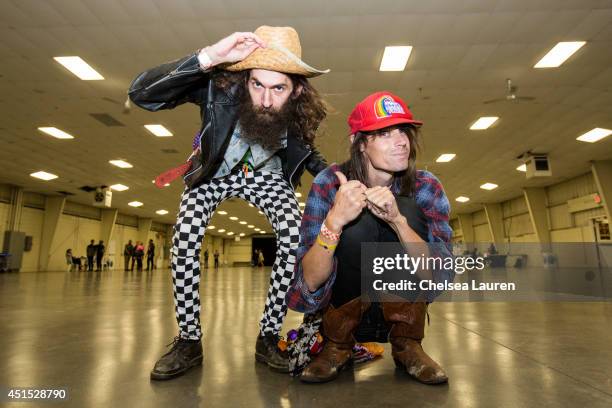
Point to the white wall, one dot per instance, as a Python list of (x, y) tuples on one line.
[(230, 250), (31, 223), (239, 251), (563, 225), (577, 234), (481, 227), (74, 232), (214, 243), (566, 226), (120, 237), (517, 222), (4, 214)]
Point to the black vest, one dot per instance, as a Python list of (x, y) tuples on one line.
[(369, 228)]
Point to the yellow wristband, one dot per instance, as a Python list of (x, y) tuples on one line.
[(329, 247)]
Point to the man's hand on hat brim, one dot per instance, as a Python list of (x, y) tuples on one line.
[(234, 48)]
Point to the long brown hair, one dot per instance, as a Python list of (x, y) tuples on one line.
[(356, 167), (309, 107)]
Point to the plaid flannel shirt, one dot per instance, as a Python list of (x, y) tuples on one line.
[(429, 196)]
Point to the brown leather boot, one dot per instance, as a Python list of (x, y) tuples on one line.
[(338, 327), (405, 336)]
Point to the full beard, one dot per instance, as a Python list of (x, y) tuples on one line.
[(265, 127)]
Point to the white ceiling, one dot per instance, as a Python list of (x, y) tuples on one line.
[(463, 52)]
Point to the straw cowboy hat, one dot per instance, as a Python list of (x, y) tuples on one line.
[(283, 53)]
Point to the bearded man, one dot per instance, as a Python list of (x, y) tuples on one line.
[(259, 120)]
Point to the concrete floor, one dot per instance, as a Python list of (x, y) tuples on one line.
[(98, 334)]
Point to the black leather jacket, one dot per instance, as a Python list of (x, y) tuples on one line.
[(180, 81)]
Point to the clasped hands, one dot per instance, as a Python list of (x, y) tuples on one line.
[(353, 196)]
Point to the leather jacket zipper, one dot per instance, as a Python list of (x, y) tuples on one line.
[(193, 171), (174, 73), (296, 167), (171, 74), (199, 147), (202, 134)]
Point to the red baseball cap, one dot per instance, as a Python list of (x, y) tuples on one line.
[(378, 111)]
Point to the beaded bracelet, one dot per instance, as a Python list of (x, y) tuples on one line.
[(329, 234), (329, 247)]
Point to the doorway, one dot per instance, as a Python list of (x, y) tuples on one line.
[(268, 246)]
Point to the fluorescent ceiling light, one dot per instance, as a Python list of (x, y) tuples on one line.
[(484, 122), (222, 212), (158, 130), (298, 195), (395, 58), (242, 234), (121, 163), (230, 233), (119, 187), (257, 229), (56, 133), (211, 227), (80, 68), (488, 186), (250, 226), (135, 204), (302, 204), (462, 199), (262, 232), (43, 175), (243, 222), (161, 212), (594, 135), (233, 218), (446, 157), (221, 230), (251, 205), (522, 167), (260, 212), (559, 54)]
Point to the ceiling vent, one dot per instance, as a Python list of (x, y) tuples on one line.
[(89, 189)]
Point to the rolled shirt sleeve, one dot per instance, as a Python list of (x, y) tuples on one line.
[(320, 200)]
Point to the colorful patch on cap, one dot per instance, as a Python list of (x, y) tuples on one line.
[(386, 106)]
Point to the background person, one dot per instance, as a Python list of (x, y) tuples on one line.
[(128, 253), (91, 253)]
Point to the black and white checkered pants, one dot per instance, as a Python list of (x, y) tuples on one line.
[(269, 192)]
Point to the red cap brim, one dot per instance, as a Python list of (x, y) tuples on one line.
[(381, 124)]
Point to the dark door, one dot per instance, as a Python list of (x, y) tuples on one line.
[(268, 246)]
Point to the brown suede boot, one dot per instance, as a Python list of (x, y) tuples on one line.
[(338, 327), (407, 331)]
